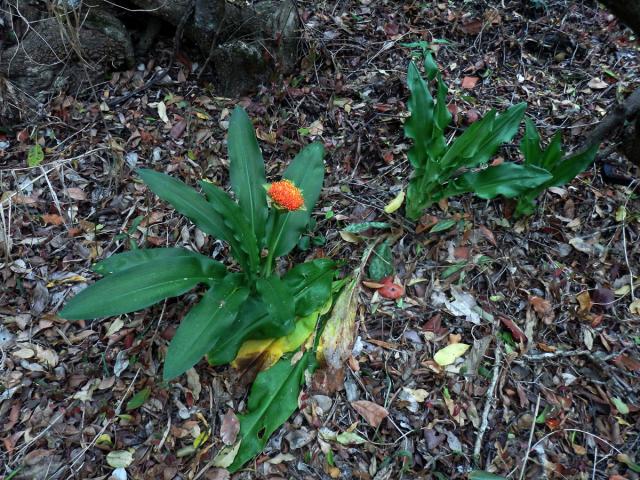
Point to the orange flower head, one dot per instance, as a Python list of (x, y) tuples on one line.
[(286, 195)]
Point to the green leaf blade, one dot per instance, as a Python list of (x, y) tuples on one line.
[(188, 202), (242, 234), (310, 285), (123, 261), (273, 399), (205, 323), (530, 144), (277, 299), (136, 288), (306, 171), (35, 156), (246, 170), (506, 179)]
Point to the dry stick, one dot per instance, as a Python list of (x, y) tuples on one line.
[(533, 429), (489, 403)]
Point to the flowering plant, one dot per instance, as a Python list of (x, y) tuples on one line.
[(237, 307)]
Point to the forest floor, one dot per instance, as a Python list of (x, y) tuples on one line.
[(551, 385)]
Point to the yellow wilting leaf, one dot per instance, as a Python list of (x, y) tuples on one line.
[(450, 353), (395, 204), (339, 333), (265, 353)]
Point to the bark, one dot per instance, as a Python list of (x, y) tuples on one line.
[(66, 49), (249, 42), (55, 54)]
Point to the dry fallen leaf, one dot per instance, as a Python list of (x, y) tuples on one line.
[(469, 82), (584, 300), (543, 308), (372, 412), (230, 428), (450, 353), (597, 84)]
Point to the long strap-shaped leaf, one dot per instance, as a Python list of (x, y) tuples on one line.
[(506, 179), (419, 126), (306, 171), (200, 328), (246, 169), (273, 398), (125, 260), (194, 206), (237, 223), (137, 288)]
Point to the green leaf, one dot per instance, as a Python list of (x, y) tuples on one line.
[(361, 227), (237, 223), (306, 171), (194, 206), (35, 156), (273, 398), (443, 225), (622, 407), (137, 288), (381, 264), (277, 299), (506, 179), (138, 399), (310, 284), (246, 170), (563, 172), (480, 475), (212, 318), (572, 166), (530, 144), (504, 128), (123, 261), (553, 153), (419, 126)]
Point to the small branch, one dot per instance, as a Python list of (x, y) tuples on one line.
[(489, 402), (533, 429)]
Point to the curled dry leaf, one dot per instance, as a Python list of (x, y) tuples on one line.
[(372, 412), (230, 427), (543, 308), (517, 334)]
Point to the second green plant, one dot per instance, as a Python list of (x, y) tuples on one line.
[(442, 170)]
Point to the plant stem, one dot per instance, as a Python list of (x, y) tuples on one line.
[(271, 247)]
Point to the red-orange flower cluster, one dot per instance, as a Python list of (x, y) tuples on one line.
[(286, 195)]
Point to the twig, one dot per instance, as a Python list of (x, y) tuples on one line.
[(214, 41), (531, 432), (489, 402)]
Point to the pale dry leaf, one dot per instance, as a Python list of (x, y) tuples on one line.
[(372, 412), (162, 112), (597, 84), (450, 353), (230, 428)]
